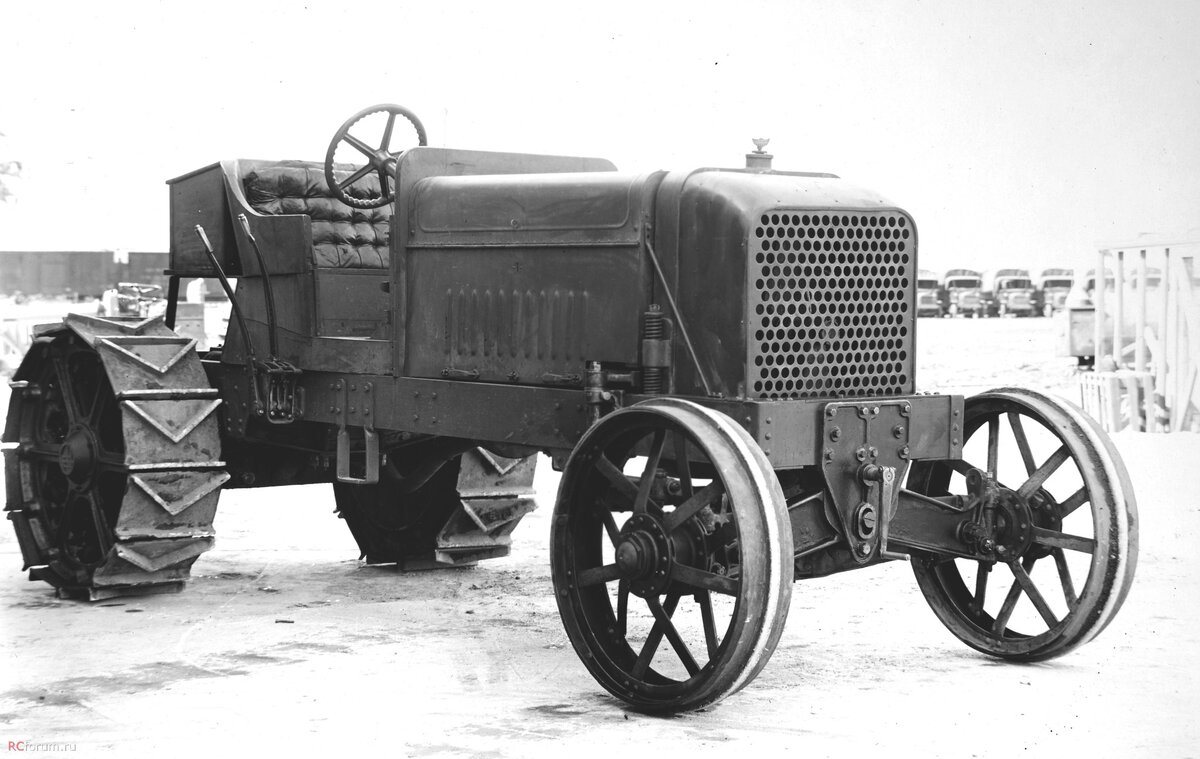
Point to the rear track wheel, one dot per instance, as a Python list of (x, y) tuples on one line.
[(71, 458), (396, 527)]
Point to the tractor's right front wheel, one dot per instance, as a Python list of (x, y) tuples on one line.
[(671, 555)]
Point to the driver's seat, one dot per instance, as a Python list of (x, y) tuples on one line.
[(342, 237)]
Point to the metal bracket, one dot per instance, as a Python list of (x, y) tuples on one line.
[(460, 374), (285, 398), (370, 436), (865, 454)]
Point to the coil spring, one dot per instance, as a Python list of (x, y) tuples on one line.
[(653, 377)]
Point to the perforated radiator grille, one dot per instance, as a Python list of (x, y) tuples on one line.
[(831, 304)]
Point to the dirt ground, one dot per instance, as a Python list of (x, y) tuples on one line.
[(283, 642)]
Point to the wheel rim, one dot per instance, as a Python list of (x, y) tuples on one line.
[(72, 445), (1067, 529), (673, 589)]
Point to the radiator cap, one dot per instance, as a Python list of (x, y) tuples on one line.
[(759, 160)]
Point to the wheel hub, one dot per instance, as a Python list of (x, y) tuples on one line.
[(643, 555), (1014, 524), (77, 456), (635, 556)]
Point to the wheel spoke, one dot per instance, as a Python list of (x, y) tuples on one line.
[(1053, 539), (360, 146), (673, 636), (1018, 428), (67, 392), (707, 496), (1010, 602), (357, 175), (683, 469), (651, 471), (386, 142), (993, 444), (1035, 595), (98, 401), (39, 452), (1038, 478), (599, 575), (65, 515), (622, 607), (99, 522), (653, 639), (384, 190), (700, 579), (610, 524), (1064, 575), (710, 625), (1077, 499), (617, 478)]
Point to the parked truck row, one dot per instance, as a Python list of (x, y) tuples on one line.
[(1001, 292)]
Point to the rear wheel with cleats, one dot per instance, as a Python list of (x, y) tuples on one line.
[(113, 470)]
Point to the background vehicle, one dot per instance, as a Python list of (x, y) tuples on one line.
[(1053, 285), (962, 288), (1008, 291), (930, 296), (131, 299), (721, 361)]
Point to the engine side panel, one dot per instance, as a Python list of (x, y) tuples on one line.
[(524, 279), (526, 315)]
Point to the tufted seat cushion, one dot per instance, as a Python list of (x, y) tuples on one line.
[(343, 237)]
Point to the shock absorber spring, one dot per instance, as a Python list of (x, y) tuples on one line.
[(653, 333)]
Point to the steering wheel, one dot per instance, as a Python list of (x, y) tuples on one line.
[(380, 160)]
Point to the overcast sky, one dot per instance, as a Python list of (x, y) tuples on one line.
[(1016, 133)]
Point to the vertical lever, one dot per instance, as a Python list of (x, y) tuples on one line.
[(268, 291), (885, 507), (251, 360)]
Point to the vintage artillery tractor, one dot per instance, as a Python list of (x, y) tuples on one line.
[(720, 361)]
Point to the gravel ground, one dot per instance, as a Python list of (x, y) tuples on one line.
[(283, 642)]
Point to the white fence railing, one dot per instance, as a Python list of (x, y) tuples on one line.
[(1149, 297)]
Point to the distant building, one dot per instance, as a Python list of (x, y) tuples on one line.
[(85, 274)]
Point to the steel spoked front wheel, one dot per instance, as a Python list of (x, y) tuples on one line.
[(1058, 550), (671, 554)]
